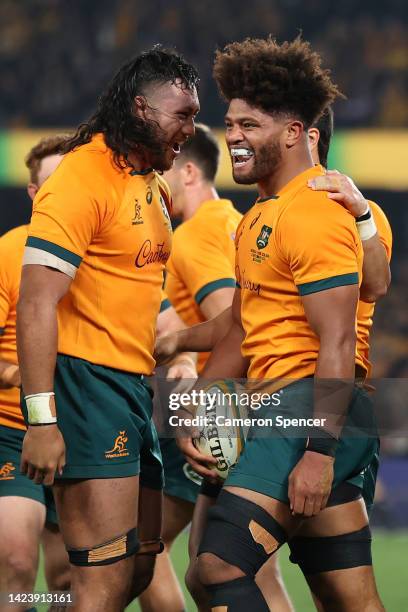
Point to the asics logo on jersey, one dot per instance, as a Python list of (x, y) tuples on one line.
[(119, 448), (254, 220), (6, 471), (147, 255)]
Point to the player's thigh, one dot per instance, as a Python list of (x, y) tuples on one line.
[(56, 562), (198, 524), (177, 514), (353, 583), (92, 512), (150, 514)]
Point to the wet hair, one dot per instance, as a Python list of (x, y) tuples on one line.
[(203, 149), (115, 117), (325, 126), (280, 79), (51, 145)]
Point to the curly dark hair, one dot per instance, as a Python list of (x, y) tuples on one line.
[(282, 78), (115, 118)]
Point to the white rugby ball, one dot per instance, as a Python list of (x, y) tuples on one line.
[(222, 431)]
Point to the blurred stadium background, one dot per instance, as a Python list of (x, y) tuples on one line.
[(56, 57)]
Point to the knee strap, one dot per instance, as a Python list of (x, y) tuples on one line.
[(316, 555), (241, 533), (151, 547), (105, 554), (240, 595)]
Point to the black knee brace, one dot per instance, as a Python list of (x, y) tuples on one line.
[(105, 554), (241, 533), (238, 595), (316, 555)]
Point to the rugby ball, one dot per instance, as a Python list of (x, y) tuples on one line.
[(221, 425)]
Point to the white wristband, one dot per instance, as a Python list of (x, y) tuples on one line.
[(366, 227), (41, 408)]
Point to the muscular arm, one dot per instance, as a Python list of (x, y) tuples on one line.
[(226, 360), (331, 314), (376, 269), (183, 364), (37, 333)]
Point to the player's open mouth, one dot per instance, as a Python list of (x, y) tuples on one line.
[(176, 148), (240, 156)]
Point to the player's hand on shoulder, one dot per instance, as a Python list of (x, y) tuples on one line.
[(342, 189), (43, 453), (310, 484)]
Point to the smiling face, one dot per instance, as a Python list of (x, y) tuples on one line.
[(173, 108), (255, 140)]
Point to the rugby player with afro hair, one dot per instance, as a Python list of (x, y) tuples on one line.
[(298, 268)]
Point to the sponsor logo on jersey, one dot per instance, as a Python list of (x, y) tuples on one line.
[(6, 471), (148, 255), (149, 195), (119, 447)]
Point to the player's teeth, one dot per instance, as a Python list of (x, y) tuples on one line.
[(241, 152)]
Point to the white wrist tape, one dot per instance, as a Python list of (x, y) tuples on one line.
[(41, 408), (366, 227)]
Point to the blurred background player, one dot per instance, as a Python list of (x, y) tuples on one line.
[(99, 238), (27, 510)]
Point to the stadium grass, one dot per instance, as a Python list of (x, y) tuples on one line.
[(390, 559)]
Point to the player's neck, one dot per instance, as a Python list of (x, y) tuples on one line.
[(138, 162), (285, 173), (196, 196)]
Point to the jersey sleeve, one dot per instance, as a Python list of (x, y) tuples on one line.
[(319, 240), (383, 228), (202, 262), (164, 301), (68, 211)]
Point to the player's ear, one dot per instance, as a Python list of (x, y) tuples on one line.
[(293, 132), (313, 135), (140, 105), (32, 190), (190, 173)]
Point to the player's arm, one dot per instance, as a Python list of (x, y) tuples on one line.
[(41, 290), (226, 361), (376, 269), (183, 364), (198, 338), (325, 258), (9, 375), (63, 224)]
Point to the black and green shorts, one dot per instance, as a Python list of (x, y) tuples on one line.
[(13, 482), (105, 417), (269, 456), (180, 479)]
